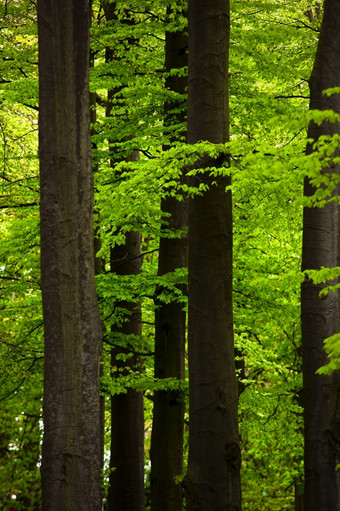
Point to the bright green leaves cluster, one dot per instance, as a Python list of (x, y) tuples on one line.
[(19, 64), (21, 328), (332, 348), (270, 63)]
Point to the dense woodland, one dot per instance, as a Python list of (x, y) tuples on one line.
[(184, 355)]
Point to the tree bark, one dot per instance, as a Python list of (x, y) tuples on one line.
[(170, 322), (126, 483), (212, 481), (321, 316), (71, 452)]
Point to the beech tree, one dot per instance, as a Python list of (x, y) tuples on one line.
[(126, 479), (71, 452), (170, 318), (320, 316), (213, 476)]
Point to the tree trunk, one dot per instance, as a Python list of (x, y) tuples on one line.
[(170, 328), (212, 481), (126, 488), (320, 316), (126, 481), (71, 452)]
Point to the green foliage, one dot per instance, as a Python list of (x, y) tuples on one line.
[(272, 49), (21, 330), (332, 348), (271, 59)]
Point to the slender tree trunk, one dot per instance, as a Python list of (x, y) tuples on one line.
[(71, 453), (321, 317), (126, 482), (170, 328), (213, 478), (126, 489)]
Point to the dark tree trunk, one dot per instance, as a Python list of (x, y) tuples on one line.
[(213, 477), (71, 453), (320, 317), (298, 498), (126, 489), (168, 413), (126, 482)]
